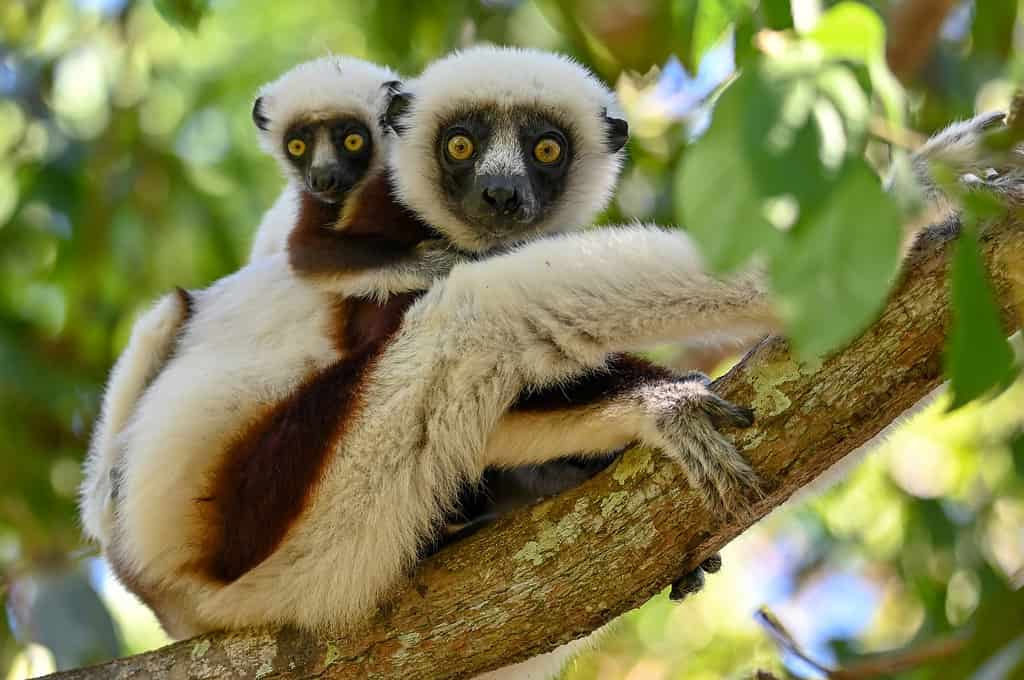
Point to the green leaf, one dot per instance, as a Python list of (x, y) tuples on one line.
[(851, 31), (978, 359), (838, 263), (776, 14), (712, 19), (841, 87), (759, 166), (1017, 452), (993, 27), (719, 197), (684, 22), (186, 13)]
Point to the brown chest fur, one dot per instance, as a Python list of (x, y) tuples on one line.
[(375, 231)]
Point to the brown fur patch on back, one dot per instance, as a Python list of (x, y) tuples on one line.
[(363, 323), (623, 373), (270, 472)]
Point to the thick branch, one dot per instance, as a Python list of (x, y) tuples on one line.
[(913, 27), (569, 565)]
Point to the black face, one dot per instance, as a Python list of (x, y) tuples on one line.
[(331, 156), (503, 172)]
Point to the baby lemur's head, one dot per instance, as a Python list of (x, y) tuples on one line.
[(498, 145), (321, 121)]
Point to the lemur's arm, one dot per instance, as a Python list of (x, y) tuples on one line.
[(557, 308), (571, 300), (151, 344)]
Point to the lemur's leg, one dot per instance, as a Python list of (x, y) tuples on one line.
[(631, 400), (615, 405), (152, 340)]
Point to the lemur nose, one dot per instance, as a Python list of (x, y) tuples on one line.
[(504, 199), (324, 178)]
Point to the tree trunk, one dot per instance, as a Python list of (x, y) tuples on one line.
[(565, 567)]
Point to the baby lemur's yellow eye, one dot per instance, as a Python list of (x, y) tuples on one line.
[(296, 147), (354, 142), (460, 147), (547, 151)]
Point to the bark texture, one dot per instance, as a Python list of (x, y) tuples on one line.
[(567, 566)]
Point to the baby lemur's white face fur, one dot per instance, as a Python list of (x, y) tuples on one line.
[(321, 121), (498, 145)]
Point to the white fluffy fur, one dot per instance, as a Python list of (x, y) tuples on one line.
[(277, 223), (505, 79), (321, 88), (466, 350), (151, 342)]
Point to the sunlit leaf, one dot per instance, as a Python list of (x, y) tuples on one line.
[(850, 30), (719, 197), (978, 358), (838, 263)]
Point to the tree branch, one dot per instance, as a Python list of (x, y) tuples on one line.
[(913, 26), (567, 566)]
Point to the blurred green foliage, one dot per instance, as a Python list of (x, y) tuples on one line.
[(129, 166)]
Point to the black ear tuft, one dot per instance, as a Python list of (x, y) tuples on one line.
[(617, 130), (262, 122), (398, 105)]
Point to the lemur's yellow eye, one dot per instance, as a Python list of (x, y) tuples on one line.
[(296, 147), (354, 142), (547, 151), (460, 147)]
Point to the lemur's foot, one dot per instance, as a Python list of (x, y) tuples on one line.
[(693, 582), (688, 417)]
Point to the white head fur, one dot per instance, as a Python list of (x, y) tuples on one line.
[(507, 81), (321, 89)]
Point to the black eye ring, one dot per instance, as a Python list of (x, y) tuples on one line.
[(563, 150), (453, 155)]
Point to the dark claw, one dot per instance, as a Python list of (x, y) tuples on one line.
[(687, 584), (712, 564), (727, 414), (693, 582), (990, 120)]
